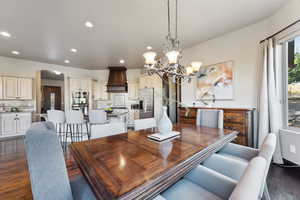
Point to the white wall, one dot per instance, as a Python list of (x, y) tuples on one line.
[(240, 46), (285, 16)]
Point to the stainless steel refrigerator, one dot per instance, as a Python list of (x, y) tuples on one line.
[(146, 104)]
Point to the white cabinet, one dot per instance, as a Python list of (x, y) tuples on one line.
[(133, 91), (17, 88), (10, 87), (25, 88), (23, 122), (14, 123), (77, 84), (8, 124), (1, 88), (99, 90)]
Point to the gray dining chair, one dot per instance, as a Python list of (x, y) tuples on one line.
[(210, 118), (206, 184), (47, 168), (233, 159)]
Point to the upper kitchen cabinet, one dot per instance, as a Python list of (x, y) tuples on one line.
[(25, 88), (99, 91), (133, 90), (77, 84), (1, 88), (17, 88)]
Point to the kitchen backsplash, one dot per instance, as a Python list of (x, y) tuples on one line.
[(21, 105)]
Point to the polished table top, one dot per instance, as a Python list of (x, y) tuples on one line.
[(131, 166)]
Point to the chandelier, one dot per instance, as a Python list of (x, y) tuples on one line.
[(168, 66)]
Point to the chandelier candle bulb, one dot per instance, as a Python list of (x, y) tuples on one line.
[(150, 57), (196, 66), (172, 56), (189, 70)]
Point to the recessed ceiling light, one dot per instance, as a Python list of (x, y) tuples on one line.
[(15, 52), (5, 34), (122, 61), (73, 50), (149, 47), (89, 24), (67, 61)]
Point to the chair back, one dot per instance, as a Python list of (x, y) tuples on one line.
[(140, 124), (248, 188), (47, 168), (74, 117), (210, 118), (56, 116), (267, 151), (97, 116), (104, 130)]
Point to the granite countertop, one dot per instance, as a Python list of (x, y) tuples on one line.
[(116, 114)]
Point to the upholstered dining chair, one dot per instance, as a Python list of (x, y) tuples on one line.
[(141, 124), (47, 168), (210, 118), (233, 159), (206, 184)]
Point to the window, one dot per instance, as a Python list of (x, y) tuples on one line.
[(293, 88)]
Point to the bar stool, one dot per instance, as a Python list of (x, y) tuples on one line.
[(75, 126), (57, 117)]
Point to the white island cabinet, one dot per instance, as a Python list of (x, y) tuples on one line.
[(14, 123)]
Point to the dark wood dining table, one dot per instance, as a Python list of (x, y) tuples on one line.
[(132, 166)]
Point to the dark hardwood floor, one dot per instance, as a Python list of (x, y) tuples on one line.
[(284, 183)]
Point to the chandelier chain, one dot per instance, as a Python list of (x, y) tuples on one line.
[(169, 20)]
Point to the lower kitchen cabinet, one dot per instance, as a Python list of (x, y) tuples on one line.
[(14, 123)]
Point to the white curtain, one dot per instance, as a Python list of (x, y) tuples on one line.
[(269, 108)]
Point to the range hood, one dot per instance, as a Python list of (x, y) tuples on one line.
[(117, 80)]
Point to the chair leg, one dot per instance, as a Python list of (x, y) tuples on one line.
[(88, 131), (266, 195)]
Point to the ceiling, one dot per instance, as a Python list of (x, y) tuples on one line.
[(46, 30)]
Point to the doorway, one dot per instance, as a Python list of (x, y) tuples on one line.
[(51, 98), (52, 91)]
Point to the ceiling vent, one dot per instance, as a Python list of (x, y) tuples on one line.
[(117, 80)]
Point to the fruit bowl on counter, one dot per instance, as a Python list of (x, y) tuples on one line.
[(109, 110)]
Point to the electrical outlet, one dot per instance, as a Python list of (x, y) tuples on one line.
[(292, 148)]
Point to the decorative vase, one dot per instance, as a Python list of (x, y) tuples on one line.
[(164, 125)]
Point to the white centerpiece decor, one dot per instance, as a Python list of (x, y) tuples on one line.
[(165, 125)]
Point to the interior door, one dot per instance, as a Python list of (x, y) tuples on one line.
[(51, 98)]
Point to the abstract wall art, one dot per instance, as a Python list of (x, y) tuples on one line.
[(215, 82)]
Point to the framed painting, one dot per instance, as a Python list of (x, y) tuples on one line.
[(215, 82)]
